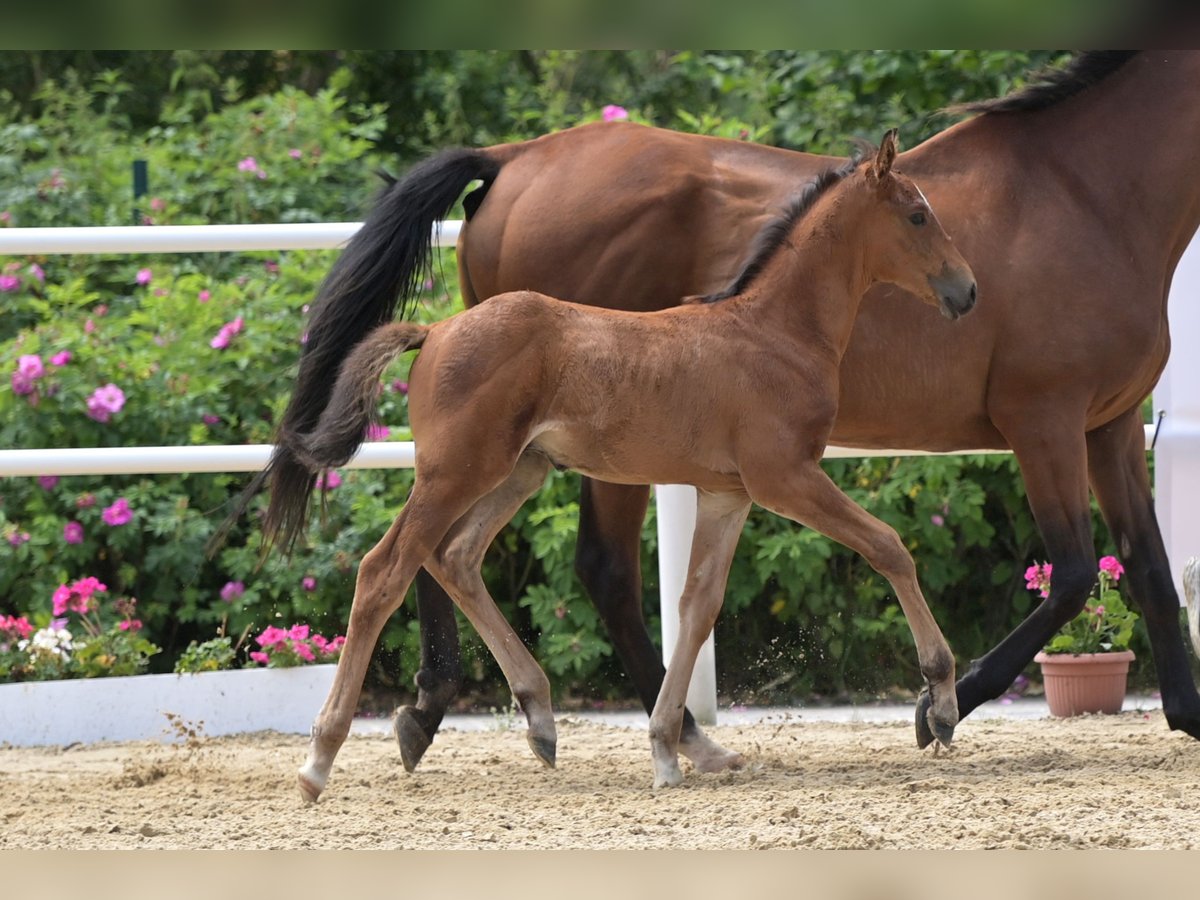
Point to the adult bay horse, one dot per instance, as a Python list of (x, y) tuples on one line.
[(1073, 199), (735, 394)]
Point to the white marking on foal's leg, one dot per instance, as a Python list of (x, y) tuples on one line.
[(666, 766), (314, 774)]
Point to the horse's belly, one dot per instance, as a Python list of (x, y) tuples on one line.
[(634, 458)]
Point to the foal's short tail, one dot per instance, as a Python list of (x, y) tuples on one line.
[(382, 268), (355, 398)]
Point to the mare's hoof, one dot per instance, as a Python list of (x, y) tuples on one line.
[(929, 727), (544, 749), (411, 736), (925, 735)]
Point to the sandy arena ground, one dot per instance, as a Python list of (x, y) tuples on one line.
[(1121, 781)]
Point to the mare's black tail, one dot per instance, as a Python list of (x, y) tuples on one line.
[(382, 268)]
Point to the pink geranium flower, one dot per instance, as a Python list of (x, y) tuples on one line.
[(73, 533), (1037, 578), (377, 432), (13, 626), (61, 358), (308, 583), (145, 276), (76, 597), (1113, 567), (327, 481), (9, 283), (614, 113)]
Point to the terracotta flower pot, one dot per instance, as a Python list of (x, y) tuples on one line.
[(1087, 683)]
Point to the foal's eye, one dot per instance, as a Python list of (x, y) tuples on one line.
[(917, 218)]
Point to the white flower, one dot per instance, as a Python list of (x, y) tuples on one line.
[(55, 641)]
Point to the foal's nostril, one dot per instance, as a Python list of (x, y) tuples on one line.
[(972, 293)]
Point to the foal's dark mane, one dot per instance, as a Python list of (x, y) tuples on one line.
[(1053, 85), (775, 232)]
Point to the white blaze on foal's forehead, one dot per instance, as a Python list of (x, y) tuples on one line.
[(921, 194)]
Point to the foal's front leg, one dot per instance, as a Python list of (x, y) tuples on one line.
[(807, 495), (719, 520)]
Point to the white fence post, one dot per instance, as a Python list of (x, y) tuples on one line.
[(1177, 397), (676, 515)]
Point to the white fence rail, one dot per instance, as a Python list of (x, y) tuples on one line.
[(1178, 459)]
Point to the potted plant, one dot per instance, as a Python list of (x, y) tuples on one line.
[(1085, 665), (74, 674)]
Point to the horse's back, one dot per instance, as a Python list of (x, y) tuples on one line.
[(624, 216)]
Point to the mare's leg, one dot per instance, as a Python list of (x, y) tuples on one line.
[(807, 495), (1121, 480), (384, 576), (719, 520), (608, 563), (1053, 461), (440, 676), (456, 564)]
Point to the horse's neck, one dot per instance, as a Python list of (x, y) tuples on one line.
[(811, 288), (1129, 142)]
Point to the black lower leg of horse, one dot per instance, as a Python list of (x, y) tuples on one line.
[(608, 563), (1056, 485), (439, 677), (1121, 480)]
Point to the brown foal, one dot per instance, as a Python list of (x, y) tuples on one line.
[(735, 393)]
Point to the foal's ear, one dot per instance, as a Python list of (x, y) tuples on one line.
[(886, 155)]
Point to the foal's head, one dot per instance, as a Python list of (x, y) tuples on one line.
[(905, 243)]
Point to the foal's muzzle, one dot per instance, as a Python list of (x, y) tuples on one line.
[(955, 291)]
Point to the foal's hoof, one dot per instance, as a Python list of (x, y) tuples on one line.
[(543, 748), (309, 789), (411, 736), (929, 727)]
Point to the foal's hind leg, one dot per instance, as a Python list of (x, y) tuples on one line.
[(807, 495), (608, 563), (384, 576), (456, 565), (719, 520)]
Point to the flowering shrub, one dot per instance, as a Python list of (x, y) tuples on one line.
[(286, 647), (82, 637), (1106, 623)]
